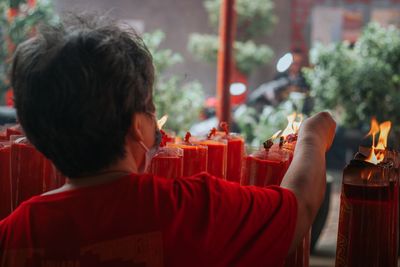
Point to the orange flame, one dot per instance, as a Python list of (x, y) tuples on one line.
[(384, 128), (293, 125), (275, 135), (374, 130), (377, 154), (297, 124)]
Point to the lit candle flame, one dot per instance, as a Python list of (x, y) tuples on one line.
[(276, 135), (293, 125), (161, 122), (377, 154), (384, 128)]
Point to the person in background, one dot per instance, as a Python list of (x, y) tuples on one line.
[(297, 82), (83, 94)]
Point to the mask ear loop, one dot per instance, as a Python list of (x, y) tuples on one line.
[(145, 148)]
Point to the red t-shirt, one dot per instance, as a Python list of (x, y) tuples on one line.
[(141, 220)]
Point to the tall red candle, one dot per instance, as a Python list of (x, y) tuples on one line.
[(301, 256), (5, 182), (28, 175), (194, 158), (368, 220), (3, 135), (265, 167), (13, 130), (235, 157), (168, 163), (217, 157), (235, 151), (268, 167)]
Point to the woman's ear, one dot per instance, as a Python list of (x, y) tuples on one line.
[(136, 129)]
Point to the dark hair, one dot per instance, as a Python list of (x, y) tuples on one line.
[(76, 88)]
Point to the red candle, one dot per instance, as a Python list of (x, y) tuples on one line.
[(52, 178), (5, 182), (268, 167), (3, 135), (27, 171), (194, 158), (300, 257), (13, 130), (217, 157), (265, 167), (235, 157), (168, 163), (368, 220), (235, 151)]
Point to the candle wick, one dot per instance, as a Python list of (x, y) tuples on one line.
[(268, 144), (212, 133), (225, 127), (187, 137), (281, 141)]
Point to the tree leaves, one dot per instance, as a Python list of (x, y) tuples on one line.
[(363, 81), (173, 95), (18, 29), (255, 18)]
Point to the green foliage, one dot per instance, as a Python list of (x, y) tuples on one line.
[(175, 98), (172, 95), (361, 82), (20, 28), (204, 46), (254, 19), (248, 55), (257, 127), (162, 58)]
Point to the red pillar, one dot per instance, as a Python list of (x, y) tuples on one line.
[(225, 59)]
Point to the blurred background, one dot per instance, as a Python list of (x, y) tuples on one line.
[(289, 56)]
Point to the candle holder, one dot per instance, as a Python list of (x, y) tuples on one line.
[(368, 220), (5, 182), (168, 162), (194, 157)]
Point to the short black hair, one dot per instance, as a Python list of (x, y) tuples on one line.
[(76, 87)]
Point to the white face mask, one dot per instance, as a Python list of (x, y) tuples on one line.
[(150, 153)]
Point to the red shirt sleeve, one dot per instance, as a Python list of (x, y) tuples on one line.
[(235, 225)]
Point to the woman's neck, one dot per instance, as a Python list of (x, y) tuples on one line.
[(118, 170)]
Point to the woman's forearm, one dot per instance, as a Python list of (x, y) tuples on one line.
[(306, 178)]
